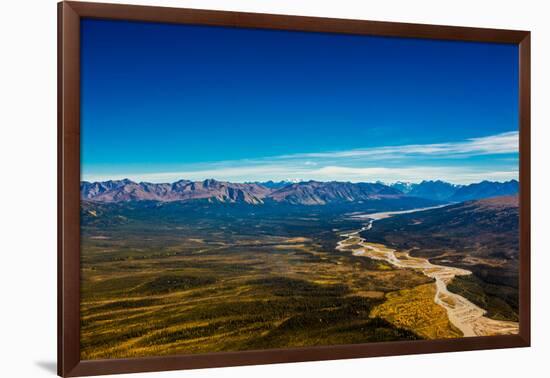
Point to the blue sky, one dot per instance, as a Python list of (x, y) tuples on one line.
[(163, 102)]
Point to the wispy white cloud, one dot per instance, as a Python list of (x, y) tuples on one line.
[(495, 144), (393, 163)]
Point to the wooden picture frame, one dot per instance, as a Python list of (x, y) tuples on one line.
[(69, 16)]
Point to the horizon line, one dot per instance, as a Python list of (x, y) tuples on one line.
[(387, 183)]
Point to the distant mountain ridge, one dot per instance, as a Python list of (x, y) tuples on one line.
[(273, 184), (443, 191), (322, 193), (301, 193)]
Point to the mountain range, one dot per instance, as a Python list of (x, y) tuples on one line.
[(443, 191), (301, 193), (182, 190)]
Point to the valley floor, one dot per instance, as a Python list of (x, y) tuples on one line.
[(235, 279)]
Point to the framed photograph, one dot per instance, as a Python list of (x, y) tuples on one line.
[(239, 188)]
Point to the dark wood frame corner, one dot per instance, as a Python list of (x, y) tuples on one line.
[(69, 15)]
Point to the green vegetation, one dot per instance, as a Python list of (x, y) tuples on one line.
[(501, 302), (178, 278), (415, 309), (168, 283), (171, 280)]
